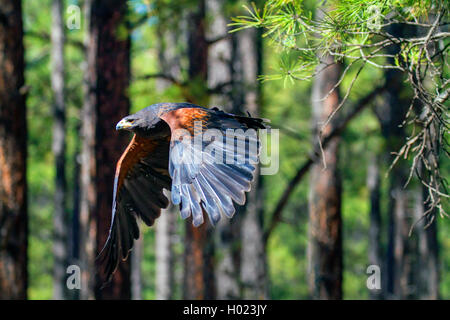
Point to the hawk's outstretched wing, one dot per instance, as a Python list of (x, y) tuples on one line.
[(141, 175), (211, 171)]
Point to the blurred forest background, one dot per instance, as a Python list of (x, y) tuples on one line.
[(305, 232)]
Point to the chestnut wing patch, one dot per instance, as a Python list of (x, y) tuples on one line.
[(141, 175)]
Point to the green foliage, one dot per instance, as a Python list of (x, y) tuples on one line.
[(344, 28)]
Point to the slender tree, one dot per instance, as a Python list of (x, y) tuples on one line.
[(253, 264), (401, 248), (391, 114), (373, 184), (233, 68), (165, 258), (136, 268), (13, 155), (325, 221), (428, 261), (199, 245), (87, 174), (221, 76), (59, 137), (428, 251), (106, 103), (220, 48), (169, 62), (74, 243)]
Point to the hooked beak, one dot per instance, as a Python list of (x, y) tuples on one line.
[(124, 124)]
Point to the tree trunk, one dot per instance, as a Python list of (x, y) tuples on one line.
[(428, 248), (165, 229), (199, 244), (399, 251), (428, 261), (391, 113), (373, 184), (75, 225), (169, 59), (107, 102), (219, 55), (87, 228), (401, 244), (253, 264), (197, 55), (59, 137), (220, 75), (199, 262), (13, 155), (136, 268), (253, 267), (325, 222)]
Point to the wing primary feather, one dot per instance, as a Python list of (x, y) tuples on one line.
[(141, 175), (194, 202)]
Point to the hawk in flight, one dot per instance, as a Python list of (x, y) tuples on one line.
[(205, 157)]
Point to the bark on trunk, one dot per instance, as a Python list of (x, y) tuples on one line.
[(199, 281), (325, 222), (165, 230), (107, 102), (399, 249), (390, 114), (219, 55), (168, 58), (88, 166), (75, 219), (253, 268), (253, 264), (428, 261), (136, 268), (199, 244), (59, 136), (428, 248), (13, 155), (402, 246), (373, 184), (407, 256), (220, 75), (427, 229)]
